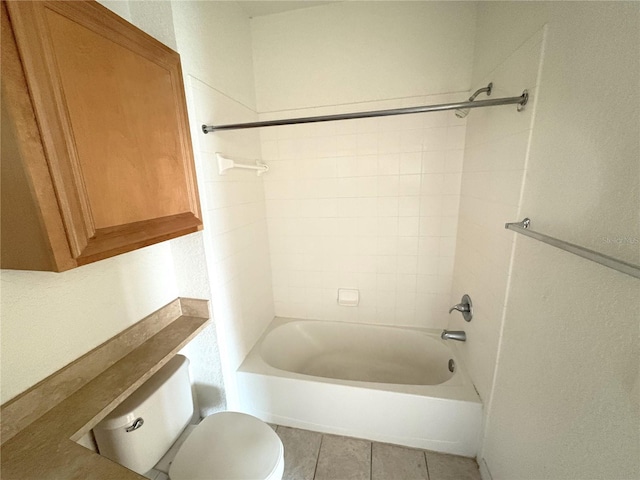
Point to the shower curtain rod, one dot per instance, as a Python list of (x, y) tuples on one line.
[(521, 101)]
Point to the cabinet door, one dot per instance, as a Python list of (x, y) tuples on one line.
[(110, 105)]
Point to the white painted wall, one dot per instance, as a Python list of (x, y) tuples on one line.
[(349, 52), (192, 279), (565, 397), (214, 39), (50, 319)]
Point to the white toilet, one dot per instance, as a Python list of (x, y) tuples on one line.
[(140, 432)]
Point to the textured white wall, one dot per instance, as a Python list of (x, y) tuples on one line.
[(214, 39), (566, 396), (154, 17), (118, 6), (349, 52), (192, 280), (50, 319)]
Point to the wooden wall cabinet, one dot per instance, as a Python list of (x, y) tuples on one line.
[(96, 151)]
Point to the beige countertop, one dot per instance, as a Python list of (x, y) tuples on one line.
[(46, 447)]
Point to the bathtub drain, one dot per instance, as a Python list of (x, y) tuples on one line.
[(452, 365)]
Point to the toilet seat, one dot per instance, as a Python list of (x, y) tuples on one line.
[(230, 446)]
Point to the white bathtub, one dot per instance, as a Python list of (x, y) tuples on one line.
[(381, 383)]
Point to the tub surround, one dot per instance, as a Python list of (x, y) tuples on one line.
[(368, 204), (46, 421)]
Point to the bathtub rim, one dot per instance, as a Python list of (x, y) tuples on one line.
[(458, 388)]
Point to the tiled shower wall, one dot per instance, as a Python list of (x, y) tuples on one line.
[(368, 204)]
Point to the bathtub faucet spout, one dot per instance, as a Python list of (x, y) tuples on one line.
[(454, 335)]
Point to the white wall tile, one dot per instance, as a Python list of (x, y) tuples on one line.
[(407, 245), (367, 143), (408, 226), (389, 186), (364, 204), (389, 162), (409, 206), (410, 163), (366, 186), (409, 185), (430, 226), (346, 145), (388, 206), (434, 161)]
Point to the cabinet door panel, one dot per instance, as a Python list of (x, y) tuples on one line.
[(113, 96), (111, 101)]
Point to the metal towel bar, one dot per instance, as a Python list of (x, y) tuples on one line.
[(619, 265)]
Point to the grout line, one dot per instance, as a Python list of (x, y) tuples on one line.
[(371, 463), (315, 471), (426, 464)]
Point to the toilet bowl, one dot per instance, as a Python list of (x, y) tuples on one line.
[(224, 446), (229, 445)]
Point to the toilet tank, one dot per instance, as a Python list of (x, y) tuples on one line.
[(165, 405)]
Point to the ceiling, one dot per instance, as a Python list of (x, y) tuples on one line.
[(257, 8)]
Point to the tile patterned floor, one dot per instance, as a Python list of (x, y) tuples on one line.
[(316, 456)]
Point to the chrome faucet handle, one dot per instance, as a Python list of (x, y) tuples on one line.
[(461, 307), (465, 307)]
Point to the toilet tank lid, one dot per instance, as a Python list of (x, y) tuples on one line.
[(129, 409)]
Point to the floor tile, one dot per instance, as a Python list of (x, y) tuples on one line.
[(391, 462), (151, 474), (344, 458), (451, 467), (301, 449)]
